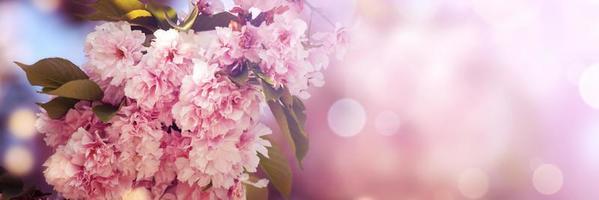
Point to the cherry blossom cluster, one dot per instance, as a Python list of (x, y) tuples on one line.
[(184, 128)]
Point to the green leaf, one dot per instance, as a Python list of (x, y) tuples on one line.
[(298, 134), (58, 107), (162, 13), (270, 93), (277, 169), (191, 19), (137, 14), (292, 128), (210, 22), (278, 113), (187, 23), (79, 89), (10, 186), (299, 110), (52, 72), (286, 98), (255, 68), (113, 10), (242, 77), (254, 193), (105, 112), (47, 89)]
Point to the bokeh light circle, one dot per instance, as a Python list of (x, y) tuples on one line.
[(387, 123), (346, 117), (139, 193), (547, 179), (588, 86), (47, 5), (18, 160), (21, 123), (473, 183), (589, 142), (364, 198)]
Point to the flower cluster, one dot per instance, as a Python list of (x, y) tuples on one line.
[(184, 128)]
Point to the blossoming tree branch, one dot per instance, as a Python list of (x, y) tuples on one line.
[(169, 107)]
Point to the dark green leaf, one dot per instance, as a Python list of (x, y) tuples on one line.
[(105, 112), (278, 113), (242, 77), (277, 169), (52, 72), (149, 39), (298, 134), (263, 77), (162, 13), (210, 22), (147, 25), (299, 110), (254, 193), (270, 93), (286, 98), (79, 89), (292, 128), (47, 89), (58, 107), (10, 186), (113, 10)]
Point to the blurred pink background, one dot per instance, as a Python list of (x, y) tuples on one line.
[(436, 99)]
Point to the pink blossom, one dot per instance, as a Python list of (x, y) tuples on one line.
[(336, 42), (113, 94), (251, 143), (296, 5), (174, 146), (85, 168), (185, 191), (152, 93), (209, 103), (342, 41), (139, 140), (182, 123), (114, 48), (219, 159), (263, 5), (155, 80), (171, 53), (285, 58), (222, 51), (247, 43), (222, 161), (230, 45), (57, 131), (286, 33)]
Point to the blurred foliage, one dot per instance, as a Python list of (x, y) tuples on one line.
[(12, 187)]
